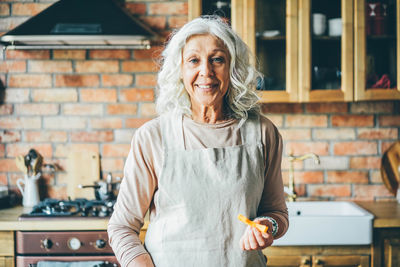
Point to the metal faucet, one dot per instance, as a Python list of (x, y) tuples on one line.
[(290, 191)]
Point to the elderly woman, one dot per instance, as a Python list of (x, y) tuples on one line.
[(208, 157)]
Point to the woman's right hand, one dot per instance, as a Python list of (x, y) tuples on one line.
[(143, 260)]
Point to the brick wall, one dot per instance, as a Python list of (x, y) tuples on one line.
[(60, 100)]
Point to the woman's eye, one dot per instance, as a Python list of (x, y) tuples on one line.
[(193, 60), (218, 59)]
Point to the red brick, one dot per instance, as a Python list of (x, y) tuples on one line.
[(106, 123), (98, 95), (334, 134), (46, 136), (28, 54), (135, 95), (329, 190), (365, 163), (17, 95), (55, 95), (64, 122), (8, 23), (135, 122), (29, 80), (296, 134), (3, 179), (36, 109), (74, 80), (2, 150), (122, 109), (369, 192), (63, 150), (50, 66), (353, 120), (115, 150), (148, 110), (170, 8), (12, 66), (376, 177), (7, 136), (136, 8), (95, 136), (156, 23), (139, 66), (382, 133), (279, 108), (14, 150), (117, 79), (355, 148), (8, 165), (389, 120), (69, 54), (57, 192), (302, 121), (6, 109), (110, 54), (319, 148), (154, 53), (27, 9), (112, 165), (147, 80), (97, 66), (20, 123), (372, 107), (326, 107), (348, 177), (308, 177), (277, 120), (4, 9), (83, 109), (177, 21)]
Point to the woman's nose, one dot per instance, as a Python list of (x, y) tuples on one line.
[(206, 68)]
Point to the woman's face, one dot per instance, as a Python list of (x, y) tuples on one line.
[(205, 70)]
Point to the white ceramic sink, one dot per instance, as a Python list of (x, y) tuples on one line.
[(327, 223)]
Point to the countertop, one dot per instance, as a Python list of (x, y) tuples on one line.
[(387, 214)]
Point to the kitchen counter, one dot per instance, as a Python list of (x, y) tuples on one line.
[(9, 222), (387, 215)]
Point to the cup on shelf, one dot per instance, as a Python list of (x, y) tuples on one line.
[(335, 27), (319, 23)]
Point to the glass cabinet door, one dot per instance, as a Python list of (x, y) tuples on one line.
[(221, 8), (326, 50), (377, 59), (276, 49)]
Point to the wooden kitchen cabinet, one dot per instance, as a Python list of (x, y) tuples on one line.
[(6, 249), (300, 66), (386, 247), (312, 256)]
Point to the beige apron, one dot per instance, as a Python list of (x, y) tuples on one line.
[(200, 194)]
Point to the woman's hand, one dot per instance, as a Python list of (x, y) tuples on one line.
[(143, 260), (253, 239)]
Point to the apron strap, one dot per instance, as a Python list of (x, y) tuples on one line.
[(172, 131), (251, 131)]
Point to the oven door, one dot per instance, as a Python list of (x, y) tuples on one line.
[(32, 261)]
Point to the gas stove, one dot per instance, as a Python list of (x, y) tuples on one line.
[(53, 208)]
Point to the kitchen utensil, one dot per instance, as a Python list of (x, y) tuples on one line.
[(83, 167), (29, 190), (262, 228), (36, 161), (319, 23), (390, 164), (20, 162)]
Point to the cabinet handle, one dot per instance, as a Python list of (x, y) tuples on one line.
[(306, 262), (319, 262)]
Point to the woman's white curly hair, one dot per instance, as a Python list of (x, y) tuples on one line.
[(240, 99)]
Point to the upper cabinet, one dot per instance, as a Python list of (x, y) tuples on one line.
[(318, 51)]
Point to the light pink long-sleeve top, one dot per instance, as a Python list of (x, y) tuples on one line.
[(144, 165)]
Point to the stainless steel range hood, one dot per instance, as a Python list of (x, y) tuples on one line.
[(81, 24)]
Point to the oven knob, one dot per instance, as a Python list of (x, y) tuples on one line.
[(100, 243), (47, 243), (74, 243)]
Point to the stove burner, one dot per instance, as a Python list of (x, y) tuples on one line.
[(80, 207)]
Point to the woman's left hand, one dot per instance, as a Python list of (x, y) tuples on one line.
[(253, 239)]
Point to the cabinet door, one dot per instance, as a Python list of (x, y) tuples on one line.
[(377, 50), (326, 50), (276, 49), (288, 261), (6, 262), (343, 261), (392, 252)]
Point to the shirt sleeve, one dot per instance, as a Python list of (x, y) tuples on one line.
[(272, 202), (135, 196)]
